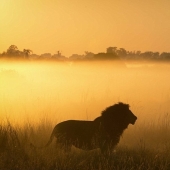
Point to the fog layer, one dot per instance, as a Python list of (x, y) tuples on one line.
[(32, 91)]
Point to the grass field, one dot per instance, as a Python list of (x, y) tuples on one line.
[(147, 147), (36, 96)]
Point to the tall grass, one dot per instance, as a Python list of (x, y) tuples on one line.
[(144, 147)]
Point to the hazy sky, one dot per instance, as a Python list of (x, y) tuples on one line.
[(75, 26)]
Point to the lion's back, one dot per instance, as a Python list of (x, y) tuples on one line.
[(75, 129)]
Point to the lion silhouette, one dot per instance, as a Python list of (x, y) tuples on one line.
[(104, 132)]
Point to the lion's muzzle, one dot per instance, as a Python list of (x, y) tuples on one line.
[(133, 120)]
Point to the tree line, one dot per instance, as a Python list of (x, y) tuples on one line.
[(112, 53)]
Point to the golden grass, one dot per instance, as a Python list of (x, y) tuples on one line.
[(146, 147)]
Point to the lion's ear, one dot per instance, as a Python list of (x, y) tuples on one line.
[(123, 105), (127, 106)]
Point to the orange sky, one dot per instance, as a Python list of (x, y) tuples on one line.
[(75, 26)]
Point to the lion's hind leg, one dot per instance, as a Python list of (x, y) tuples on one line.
[(65, 146)]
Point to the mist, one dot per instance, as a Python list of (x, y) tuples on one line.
[(60, 91)]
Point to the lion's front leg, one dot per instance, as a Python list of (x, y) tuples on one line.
[(107, 147)]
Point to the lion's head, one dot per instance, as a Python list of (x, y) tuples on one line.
[(118, 117)]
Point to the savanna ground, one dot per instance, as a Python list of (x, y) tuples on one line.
[(36, 96)]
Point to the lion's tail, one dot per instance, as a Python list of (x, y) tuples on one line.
[(48, 143), (50, 140)]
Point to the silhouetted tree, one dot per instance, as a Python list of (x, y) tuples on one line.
[(27, 52), (147, 55), (112, 50), (76, 57), (45, 56), (156, 55), (112, 53), (13, 51), (3, 54), (165, 56), (138, 53), (121, 52), (106, 56), (88, 55)]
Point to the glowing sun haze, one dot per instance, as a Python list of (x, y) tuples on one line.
[(75, 26)]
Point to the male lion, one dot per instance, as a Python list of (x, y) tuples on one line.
[(104, 132)]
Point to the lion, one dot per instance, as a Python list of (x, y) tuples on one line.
[(104, 132)]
